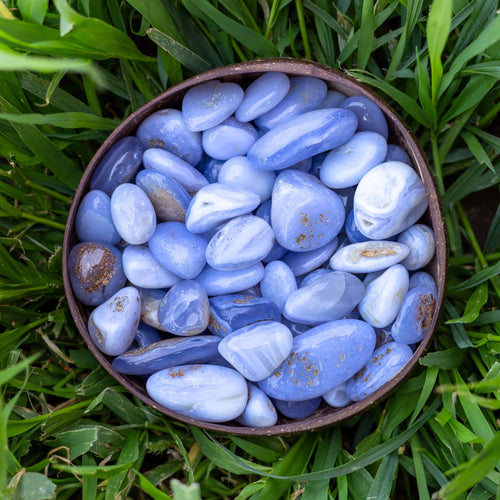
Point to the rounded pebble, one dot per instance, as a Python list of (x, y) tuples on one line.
[(278, 283), (259, 411), (337, 397), (369, 115), (297, 409), (420, 240), (217, 282)]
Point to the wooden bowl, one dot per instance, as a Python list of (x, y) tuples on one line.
[(245, 73)]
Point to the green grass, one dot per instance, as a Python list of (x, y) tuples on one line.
[(69, 73)]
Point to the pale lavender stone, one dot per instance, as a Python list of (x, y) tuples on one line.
[(278, 283), (217, 282), (304, 262), (309, 278), (259, 411), (297, 409), (369, 115), (421, 278), (277, 251), (420, 240), (146, 335), (333, 99), (397, 153), (209, 167), (337, 397), (150, 301)]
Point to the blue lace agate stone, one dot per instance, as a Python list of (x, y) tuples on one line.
[(420, 240), (333, 99), (304, 262), (421, 278), (278, 283), (397, 153), (297, 409), (145, 334), (150, 301), (354, 235), (309, 278), (259, 411), (217, 282), (369, 115), (277, 251), (337, 397)]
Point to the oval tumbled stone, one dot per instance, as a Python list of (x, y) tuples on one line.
[(420, 240), (369, 115), (206, 392), (217, 282), (259, 411)]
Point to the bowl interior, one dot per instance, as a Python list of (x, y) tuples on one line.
[(244, 74)]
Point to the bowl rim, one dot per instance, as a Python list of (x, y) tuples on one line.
[(326, 416)]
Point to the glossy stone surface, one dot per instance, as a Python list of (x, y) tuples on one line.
[(133, 214), (369, 115), (415, 316), (337, 397), (167, 353), (297, 409), (420, 239), (239, 171), (234, 311), (118, 165), (258, 349), (217, 282), (178, 250), (277, 251), (145, 334), (389, 199), (259, 411), (329, 297), (210, 103), (333, 99), (306, 93), (345, 165), (217, 203), (321, 358), (112, 324), (421, 278), (278, 283), (295, 328), (397, 153), (93, 220), (230, 138), (309, 278), (304, 262), (184, 310), (384, 296), (143, 270), (368, 256), (354, 235), (382, 367), (210, 167), (171, 165), (302, 137), (240, 243), (167, 130), (95, 271), (150, 302), (206, 392), (305, 215), (262, 95)]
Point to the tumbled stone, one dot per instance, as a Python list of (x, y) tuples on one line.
[(310, 277), (217, 203), (333, 99), (178, 250), (397, 153), (210, 103), (389, 199), (278, 283), (133, 214), (118, 165), (112, 324), (167, 130), (329, 297), (369, 115), (258, 349), (421, 278), (354, 235), (384, 296), (95, 271), (305, 215), (297, 409), (295, 328), (385, 363), (304, 262), (217, 282), (259, 411), (184, 310), (210, 167), (150, 302), (206, 392), (167, 353), (145, 334), (321, 358), (277, 251), (420, 240), (337, 397)]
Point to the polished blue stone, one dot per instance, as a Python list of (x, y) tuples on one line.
[(217, 282), (277, 251), (234, 311), (385, 362), (112, 324), (347, 197), (421, 278), (384, 296), (329, 297), (297, 409), (169, 164), (368, 256), (240, 171), (167, 353), (397, 153), (302, 165), (210, 103), (93, 220), (333, 99), (310, 277), (259, 411), (302, 137), (180, 251), (166, 129), (304, 262), (118, 165), (278, 283), (321, 358), (230, 138), (133, 214), (146, 335), (345, 165), (95, 271), (353, 233), (295, 328), (150, 302), (415, 316), (305, 215), (337, 397), (262, 95), (217, 203), (210, 168), (258, 349), (206, 392), (420, 240), (306, 93), (143, 270), (184, 310), (369, 115), (389, 199), (240, 243)]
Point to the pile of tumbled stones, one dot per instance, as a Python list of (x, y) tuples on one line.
[(256, 251)]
